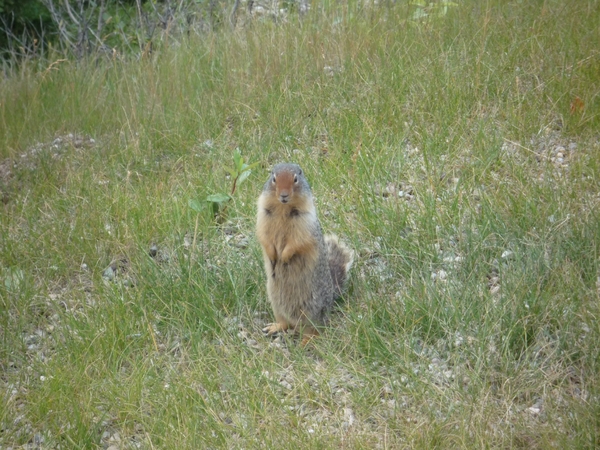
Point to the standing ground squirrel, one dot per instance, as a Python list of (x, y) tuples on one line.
[(306, 271)]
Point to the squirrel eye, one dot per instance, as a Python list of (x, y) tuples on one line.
[(273, 178), (295, 178)]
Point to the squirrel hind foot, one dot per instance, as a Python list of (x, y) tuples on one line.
[(274, 328), (307, 335)]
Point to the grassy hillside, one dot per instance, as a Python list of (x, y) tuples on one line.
[(458, 156)]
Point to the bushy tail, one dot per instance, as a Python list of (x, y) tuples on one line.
[(340, 260)]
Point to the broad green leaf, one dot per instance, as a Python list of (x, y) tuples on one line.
[(218, 198), (197, 205), (245, 174)]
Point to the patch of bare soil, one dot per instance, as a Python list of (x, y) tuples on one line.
[(30, 158)]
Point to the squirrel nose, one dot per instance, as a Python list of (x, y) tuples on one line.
[(284, 197)]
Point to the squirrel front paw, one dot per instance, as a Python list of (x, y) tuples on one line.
[(270, 252), (287, 254)]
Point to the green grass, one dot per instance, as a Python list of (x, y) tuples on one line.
[(472, 315)]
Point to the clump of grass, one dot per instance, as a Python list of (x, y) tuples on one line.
[(448, 154)]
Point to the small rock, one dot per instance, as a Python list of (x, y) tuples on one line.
[(116, 437), (38, 439), (108, 273), (458, 341), (349, 417)]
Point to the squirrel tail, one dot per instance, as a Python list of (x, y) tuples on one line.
[(340, 260)]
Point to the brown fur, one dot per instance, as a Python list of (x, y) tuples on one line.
[(298, 260)]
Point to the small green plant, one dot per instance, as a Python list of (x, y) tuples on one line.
[(217, 203)]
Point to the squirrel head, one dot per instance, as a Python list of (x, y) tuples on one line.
[(287, 182)]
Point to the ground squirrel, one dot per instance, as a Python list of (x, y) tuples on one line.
[(306, 271)]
